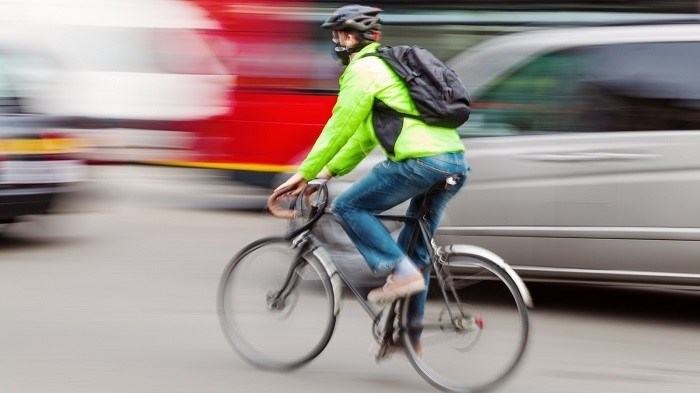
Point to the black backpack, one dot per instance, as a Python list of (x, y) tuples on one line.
[(436, 90)]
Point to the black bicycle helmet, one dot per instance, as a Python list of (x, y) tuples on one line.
[(361, 18)]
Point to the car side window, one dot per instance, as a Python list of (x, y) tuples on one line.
[(539, 97), (600, 88), (643, 87)]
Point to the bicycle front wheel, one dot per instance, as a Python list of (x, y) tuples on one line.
[(276, 307), (474, 329)]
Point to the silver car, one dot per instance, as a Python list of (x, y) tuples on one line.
[(584, 145), (39, 164)]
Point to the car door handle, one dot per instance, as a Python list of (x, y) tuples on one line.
[(588, 157)]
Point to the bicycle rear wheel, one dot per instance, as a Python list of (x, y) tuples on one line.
[(272, 321), (473, 340)]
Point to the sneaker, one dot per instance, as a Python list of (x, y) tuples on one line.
[(397, 288)]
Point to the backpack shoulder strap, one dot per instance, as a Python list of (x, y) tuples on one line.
[(385, 53)]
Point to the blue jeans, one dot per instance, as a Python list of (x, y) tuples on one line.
[(390, 184)]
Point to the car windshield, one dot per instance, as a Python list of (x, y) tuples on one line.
[(478, 67)]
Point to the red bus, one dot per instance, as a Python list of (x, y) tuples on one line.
[(284, 87)]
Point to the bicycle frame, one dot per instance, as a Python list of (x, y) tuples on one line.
[(306, 243)]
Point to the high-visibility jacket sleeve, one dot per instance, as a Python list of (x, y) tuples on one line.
[(354, 104), (357, 148)]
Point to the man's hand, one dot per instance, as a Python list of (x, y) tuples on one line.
[(295, 185)]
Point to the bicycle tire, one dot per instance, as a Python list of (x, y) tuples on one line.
[(254, 327), (482, 352)]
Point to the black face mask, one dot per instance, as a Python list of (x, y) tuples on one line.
[(340, 53)]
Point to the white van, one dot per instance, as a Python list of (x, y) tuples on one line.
[(122, 59)]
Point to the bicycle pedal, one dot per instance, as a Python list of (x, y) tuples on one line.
[(378, 350), (386, 355)]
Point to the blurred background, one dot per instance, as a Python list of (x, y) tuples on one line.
[(139, 140)]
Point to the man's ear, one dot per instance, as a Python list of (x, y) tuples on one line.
[(353, 40)]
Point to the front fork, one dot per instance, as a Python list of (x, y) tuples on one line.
[(277, 299), (305, 245)]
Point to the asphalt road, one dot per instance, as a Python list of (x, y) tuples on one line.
[(118, 295)]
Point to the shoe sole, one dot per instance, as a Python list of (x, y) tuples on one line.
[(406, 290)]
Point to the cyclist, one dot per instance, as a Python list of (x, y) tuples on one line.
[(418, 156)]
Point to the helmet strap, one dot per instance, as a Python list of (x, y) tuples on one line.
[(342, 54)]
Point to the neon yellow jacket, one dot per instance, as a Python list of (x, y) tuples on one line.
[(349, 135)]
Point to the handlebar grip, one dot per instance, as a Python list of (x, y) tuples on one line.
[(273, 204)]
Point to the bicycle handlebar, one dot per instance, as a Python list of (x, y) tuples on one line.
[(314, 197), (274, 207)]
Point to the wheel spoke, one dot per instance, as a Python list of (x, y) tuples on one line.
[(276, 309), (460, 351)]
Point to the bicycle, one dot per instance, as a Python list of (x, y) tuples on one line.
[(478, 311)]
